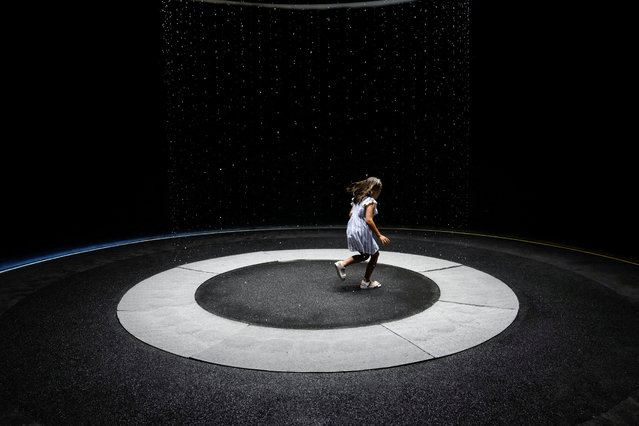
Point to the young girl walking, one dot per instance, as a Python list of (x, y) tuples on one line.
[(361, 228)]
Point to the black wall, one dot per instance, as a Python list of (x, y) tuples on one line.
[(112, 134), (551, 131), (84, 152)]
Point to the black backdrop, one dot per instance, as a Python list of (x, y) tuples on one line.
[(272, 113), (123, 121)]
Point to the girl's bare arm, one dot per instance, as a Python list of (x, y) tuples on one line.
[(370, 211)]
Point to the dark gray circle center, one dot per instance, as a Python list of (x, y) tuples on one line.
[(307, 294)]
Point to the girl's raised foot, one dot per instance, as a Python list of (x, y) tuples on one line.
[(341, 270)]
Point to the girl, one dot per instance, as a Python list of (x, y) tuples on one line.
[(361, 228)]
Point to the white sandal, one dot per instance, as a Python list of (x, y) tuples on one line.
[(341, 270), (369, 284)]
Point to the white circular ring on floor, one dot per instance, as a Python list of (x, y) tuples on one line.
[(162, 311)]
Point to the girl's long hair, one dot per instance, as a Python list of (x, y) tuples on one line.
[(363, 188)]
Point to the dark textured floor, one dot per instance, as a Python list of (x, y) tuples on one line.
[(571, 355), (309, 295)]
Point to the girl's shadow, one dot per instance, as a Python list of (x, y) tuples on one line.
[(348, 288)]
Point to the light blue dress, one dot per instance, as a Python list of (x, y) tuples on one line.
[(359, 234)]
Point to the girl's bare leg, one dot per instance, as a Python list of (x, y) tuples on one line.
[(371, 267), (354, 259)]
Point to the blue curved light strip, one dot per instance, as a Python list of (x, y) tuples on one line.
[(309, 6), (9, 266)]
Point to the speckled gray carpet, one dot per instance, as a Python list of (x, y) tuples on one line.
[(571, 354), (308, 294)]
